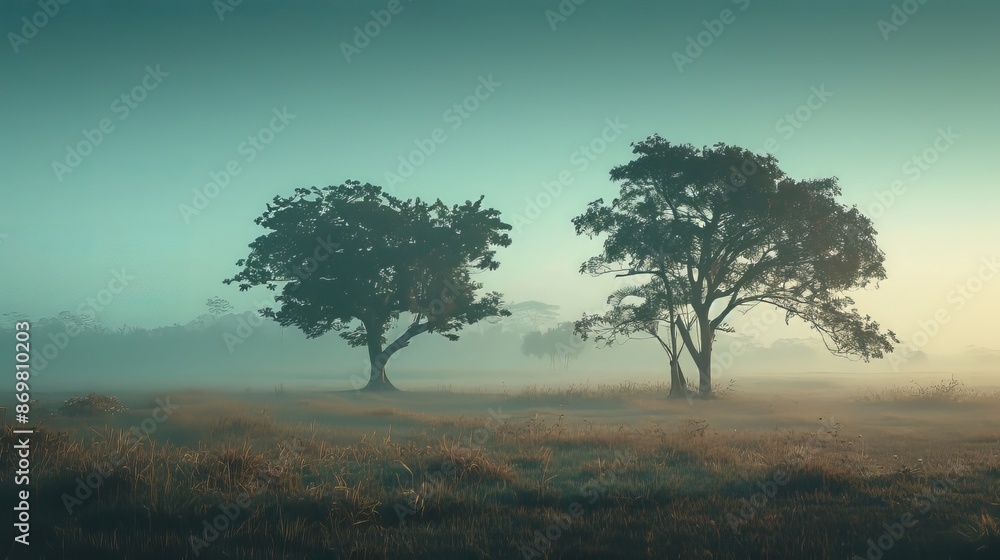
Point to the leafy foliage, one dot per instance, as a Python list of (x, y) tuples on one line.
[(726, 228), (352, 252), (560, 344)]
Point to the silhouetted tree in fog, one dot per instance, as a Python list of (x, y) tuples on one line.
[(560, 344), (354, 259), (734, 231)]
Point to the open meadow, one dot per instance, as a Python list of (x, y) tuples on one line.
[(526, 280), (612, 471)]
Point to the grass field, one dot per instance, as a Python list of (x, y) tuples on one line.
[(602, 472)]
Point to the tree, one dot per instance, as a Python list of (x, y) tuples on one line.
[(638, 312), (218, 306), (560, 344), (739, 233), (353, 255), (528, 316)]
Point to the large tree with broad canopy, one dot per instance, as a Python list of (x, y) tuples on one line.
[(726, 229), (354, 259)]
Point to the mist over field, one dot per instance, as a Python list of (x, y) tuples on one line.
[(242, 350), (521, 279)]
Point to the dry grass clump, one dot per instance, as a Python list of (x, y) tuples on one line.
[(473, 462), (945, 391), (243, 426)]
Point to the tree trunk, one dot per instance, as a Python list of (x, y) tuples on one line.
[(705, 363), (378, 357), (678, 385), (378, 381)]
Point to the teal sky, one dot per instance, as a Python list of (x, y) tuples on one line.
[(554, 92)]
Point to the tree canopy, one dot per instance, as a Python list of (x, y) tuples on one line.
[(560, 344), (354, 259), (731, 230)]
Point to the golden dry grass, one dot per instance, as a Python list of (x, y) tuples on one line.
[(388, 477)]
